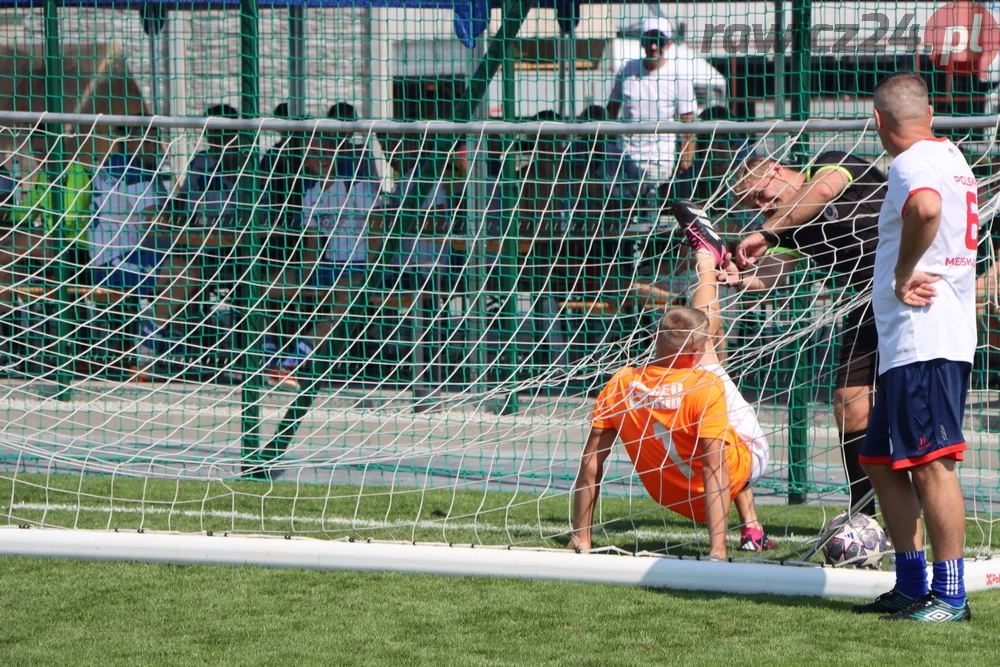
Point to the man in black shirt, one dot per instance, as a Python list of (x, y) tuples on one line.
[(829, 213)]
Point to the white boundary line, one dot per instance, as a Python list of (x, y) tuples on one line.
[(371, 524)]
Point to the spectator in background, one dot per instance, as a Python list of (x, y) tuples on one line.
[(209, 193), (281, 171), (420, 166), (335, 218), (652, 89), (353, 161), (39, 229), (718, 155), (279, 167), (8, 233), (129, 193)]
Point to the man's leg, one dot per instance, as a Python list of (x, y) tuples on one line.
[(900, 506), (851, 408), (944, 511), (854, 396), (921, 405), (746, 509), (705, 298)]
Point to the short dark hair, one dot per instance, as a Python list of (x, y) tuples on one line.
[(222, 111), (281, 111), (595, 113), (902, 95), (342, 111)]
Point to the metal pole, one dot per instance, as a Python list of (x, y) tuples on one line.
[(802, 67), (779, 58), (476, 217), (296, 61), (249, 291), (561, 60), (55, 241), (571, 102), (154, 71), (506, 361), (798, 399)]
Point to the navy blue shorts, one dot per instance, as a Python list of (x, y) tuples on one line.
[(918, 414)]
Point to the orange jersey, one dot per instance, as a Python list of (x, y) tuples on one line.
[(660, 414)]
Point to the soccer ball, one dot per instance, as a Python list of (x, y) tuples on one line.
[(860, 542)]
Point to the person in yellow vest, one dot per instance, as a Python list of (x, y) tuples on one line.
[(40, 229)]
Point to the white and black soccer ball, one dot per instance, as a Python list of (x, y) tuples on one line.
[(860, 542)]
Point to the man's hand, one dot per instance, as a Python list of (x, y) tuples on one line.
[(729, 273), (751, 249), (917, 290)]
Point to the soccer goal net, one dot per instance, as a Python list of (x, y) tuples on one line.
[(395, 333)]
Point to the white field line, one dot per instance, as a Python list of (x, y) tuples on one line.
[(485, 527)]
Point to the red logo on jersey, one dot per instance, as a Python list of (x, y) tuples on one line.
[(960, 261), (993, 578), (965, 180)]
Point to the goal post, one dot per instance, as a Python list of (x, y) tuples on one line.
[(336, 372)]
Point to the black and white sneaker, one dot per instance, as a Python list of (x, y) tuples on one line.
[(698, 229), (931, 609), (887, 603)]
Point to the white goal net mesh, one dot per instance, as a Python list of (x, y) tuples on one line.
[(400, 335)]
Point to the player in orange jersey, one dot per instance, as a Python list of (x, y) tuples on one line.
[(694, 441)]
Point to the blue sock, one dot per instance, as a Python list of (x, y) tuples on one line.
[(911, 573), (949, 581)]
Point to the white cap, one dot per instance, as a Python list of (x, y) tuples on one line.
[(661, 25)]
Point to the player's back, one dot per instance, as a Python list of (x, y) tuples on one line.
[(660, 415), (947, 330)]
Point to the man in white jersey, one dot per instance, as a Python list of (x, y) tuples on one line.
[(925, 311), (655, 89), (128, 193), (336, 213)]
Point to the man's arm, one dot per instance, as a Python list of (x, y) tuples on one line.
[(921, 220), (588, 484), (763, 277), (687, 147), (807, 203), (718, 496), (810, 200)]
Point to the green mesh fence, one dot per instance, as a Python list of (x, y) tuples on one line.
[(398, 308)]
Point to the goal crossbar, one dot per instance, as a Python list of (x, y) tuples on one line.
[(22, 118)]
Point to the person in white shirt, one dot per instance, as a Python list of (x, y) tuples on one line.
[(336, 217), (422, 260), (924, 299), (655, 89), (128, 194)]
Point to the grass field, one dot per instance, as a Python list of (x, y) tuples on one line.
[(73, 613), (66, 612)]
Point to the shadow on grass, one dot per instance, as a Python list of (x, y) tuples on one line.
[(795, 601)]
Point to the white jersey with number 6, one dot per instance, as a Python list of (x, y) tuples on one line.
[(947, 328)]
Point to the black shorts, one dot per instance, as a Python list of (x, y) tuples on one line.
[(857, 362), (918, 414)]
